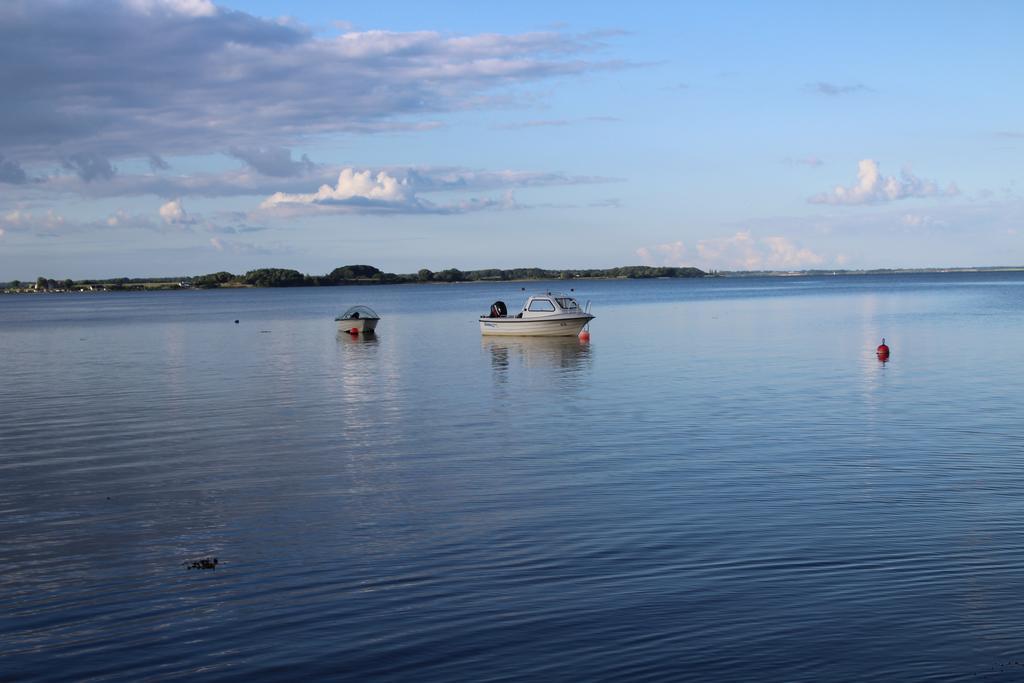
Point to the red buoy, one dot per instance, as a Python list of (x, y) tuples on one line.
[(882, 350), (354, 330), (584, 336)]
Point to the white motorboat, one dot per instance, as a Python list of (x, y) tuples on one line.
[(358, 319), (543, 315)]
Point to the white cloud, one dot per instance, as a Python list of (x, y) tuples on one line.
[(873, 188), (173, 220), (52, 223), (351, 185), (118, 218), (742, 251), (16, 217), (919, 220), (20, 220), (397, 192), (670, 254), (781, 253), (173, 213), (187, 8), (232, 183)]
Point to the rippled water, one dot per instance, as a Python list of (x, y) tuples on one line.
[(724, 484)]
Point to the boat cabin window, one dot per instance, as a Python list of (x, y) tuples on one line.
[(568, 304), (541, 305)]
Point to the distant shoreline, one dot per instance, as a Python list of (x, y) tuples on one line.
[(346, 276), (870, 271), (467, 277)]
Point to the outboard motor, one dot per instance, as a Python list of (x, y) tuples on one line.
[(498, 309)]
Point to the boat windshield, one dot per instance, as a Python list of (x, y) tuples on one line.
[(358, 312), (567, 303)]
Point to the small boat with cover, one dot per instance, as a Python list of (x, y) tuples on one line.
[(543, 315), (358, 319)]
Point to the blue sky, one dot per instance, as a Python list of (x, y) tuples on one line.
[(177, 137)]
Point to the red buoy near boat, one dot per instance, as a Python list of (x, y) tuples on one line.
[(882, 350), (584, 336), (354, 331)]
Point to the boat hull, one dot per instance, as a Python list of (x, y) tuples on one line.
[(363, 325), (567, 326)]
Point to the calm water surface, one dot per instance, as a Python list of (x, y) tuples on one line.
[(724, 484)]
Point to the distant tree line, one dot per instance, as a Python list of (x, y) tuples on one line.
[(286, 277), (114, 283), (363, 274), (45, 283), (356, 275)]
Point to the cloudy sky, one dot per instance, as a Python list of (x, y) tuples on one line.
[(177, 137)]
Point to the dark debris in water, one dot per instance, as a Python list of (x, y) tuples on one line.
[(202, 563), (1003, 669)]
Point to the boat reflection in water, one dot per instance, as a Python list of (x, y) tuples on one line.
[(360, 362), (566, 356), (357, 340)]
